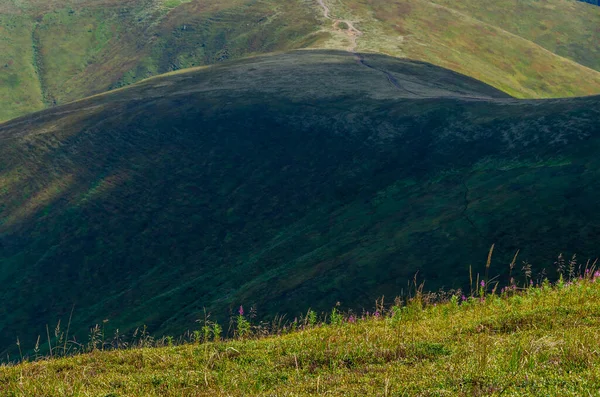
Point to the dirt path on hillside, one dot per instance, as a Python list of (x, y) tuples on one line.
[(351, 32), (325, 9)]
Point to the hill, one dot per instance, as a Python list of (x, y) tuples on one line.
[(284, 182), (529, 49), (56, 52), (538, 342)]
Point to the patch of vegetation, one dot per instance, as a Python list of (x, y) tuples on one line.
[(19, 86), (541, 24), (195, 35), (84, 48), (69, 42), (518, 47), (305, 179), (528, 340)]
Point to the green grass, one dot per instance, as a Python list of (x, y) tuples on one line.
[(69, 42), (305, 179), (85, 48), (530, 49), (543, 25), (539, 341), (174, 3), (20, 91)]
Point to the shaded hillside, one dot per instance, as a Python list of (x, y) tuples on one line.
[(285, 181)]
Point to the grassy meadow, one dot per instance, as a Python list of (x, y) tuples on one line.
[(529, 49), (534, 340), (60, 51)]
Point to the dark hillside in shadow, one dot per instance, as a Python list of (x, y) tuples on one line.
[(287, 181)]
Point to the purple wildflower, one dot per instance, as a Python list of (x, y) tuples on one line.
[(351, 319), (377, 314), (482, 283), (464, 298), (241, 310)]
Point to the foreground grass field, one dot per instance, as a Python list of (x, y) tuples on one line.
[(538, 341)]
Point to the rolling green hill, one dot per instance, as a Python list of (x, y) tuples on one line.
[(529, 49), (56, 52), (287, 181)]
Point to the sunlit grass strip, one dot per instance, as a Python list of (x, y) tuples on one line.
[(539, 340)]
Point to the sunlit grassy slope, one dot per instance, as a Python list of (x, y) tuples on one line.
[(541, 342), (84, 47), (288, 181), (20, 92), (55, 52), (529, 49)]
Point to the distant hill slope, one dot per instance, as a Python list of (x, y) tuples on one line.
[(574, 35), (529, 49), (60, 51), (287, 181), (55, 52)]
